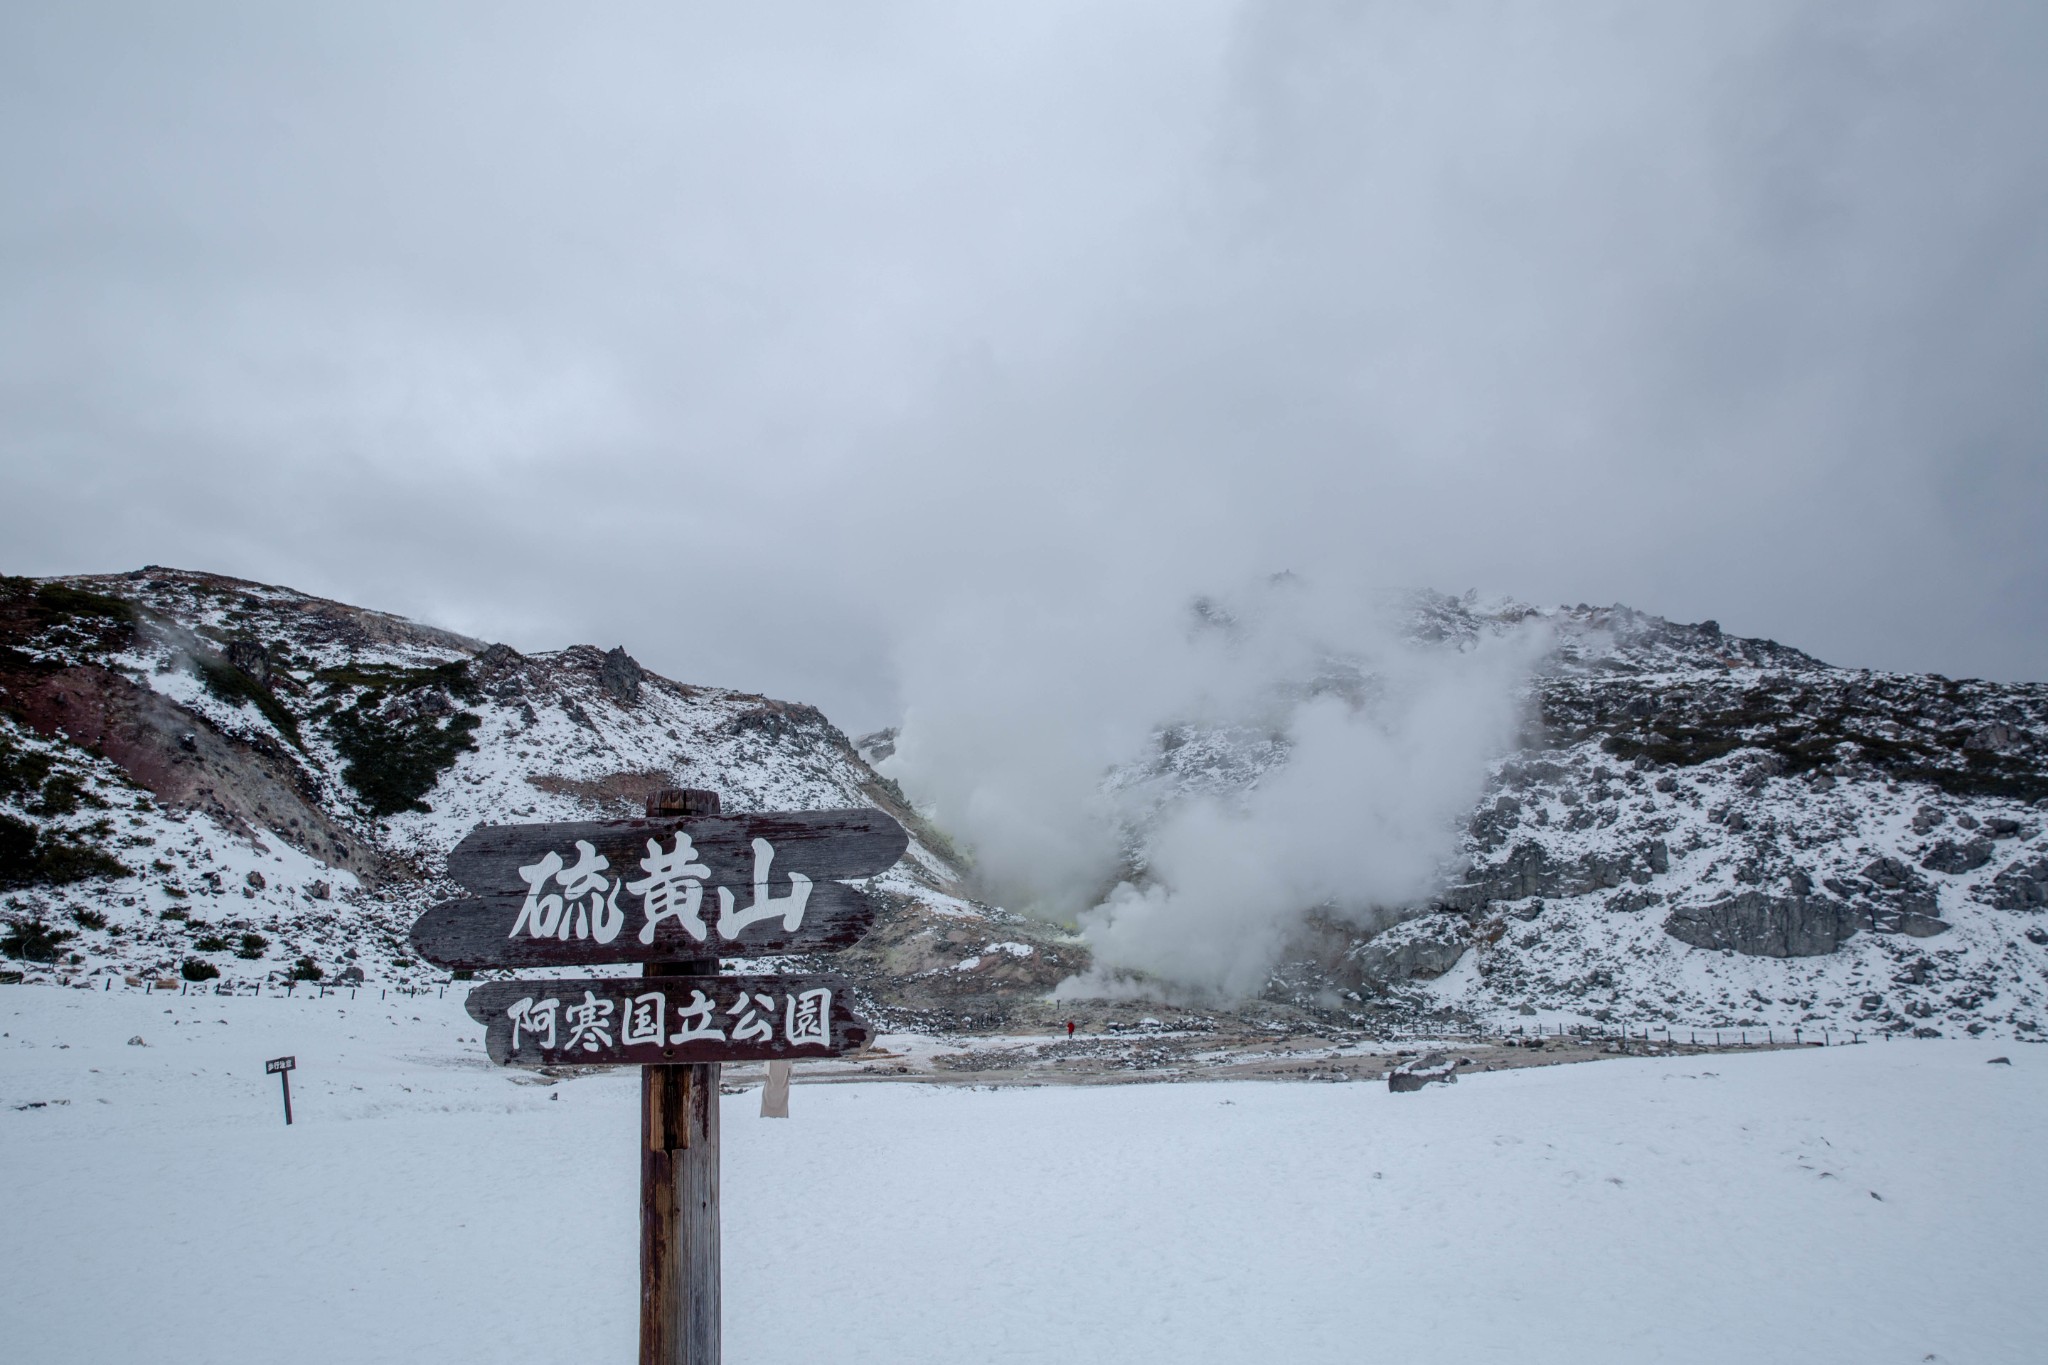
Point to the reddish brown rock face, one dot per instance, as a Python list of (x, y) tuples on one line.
[(185, 763)]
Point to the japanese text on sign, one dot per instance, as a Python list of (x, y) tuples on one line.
[(554, 1024), (585, 901)]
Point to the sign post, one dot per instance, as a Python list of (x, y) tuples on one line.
[(712, 885), (282, 1066)]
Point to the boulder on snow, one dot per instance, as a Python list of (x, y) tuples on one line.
[(1425, 1070), (2022, 886), (1949, 856)]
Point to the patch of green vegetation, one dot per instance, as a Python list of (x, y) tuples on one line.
[(252, 946), (89, 919), (1806, 742), (209, 943), (393, 763), (197, 969), (451, 677), (60, 794), (32, 857), (306, 969), (61, 603), (21, 770), (28, 609), (233, 686), (31, 940)]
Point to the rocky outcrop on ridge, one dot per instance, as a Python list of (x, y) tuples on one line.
[(1701, 829)]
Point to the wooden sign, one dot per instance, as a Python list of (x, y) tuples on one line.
[(651, 1020), (281, 1067), (675, 891), (660, 889)]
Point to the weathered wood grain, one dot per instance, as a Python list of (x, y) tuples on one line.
[(679, 1233), (477, 933), (824, 845), (549, 1037)]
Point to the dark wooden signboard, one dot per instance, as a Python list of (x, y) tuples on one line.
[(660, 889), (643, 1021), (676, 891)]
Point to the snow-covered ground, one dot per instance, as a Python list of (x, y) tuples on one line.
[(1857, 1204)]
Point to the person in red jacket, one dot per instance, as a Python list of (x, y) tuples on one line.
[(1070, 1028)]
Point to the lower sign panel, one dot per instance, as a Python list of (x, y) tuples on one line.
[(647, 1020)]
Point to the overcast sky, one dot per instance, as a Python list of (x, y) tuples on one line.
[(767, 339)]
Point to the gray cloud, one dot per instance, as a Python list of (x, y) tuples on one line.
[(771, 340)]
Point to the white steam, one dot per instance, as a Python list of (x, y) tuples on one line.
[(1185, 784)]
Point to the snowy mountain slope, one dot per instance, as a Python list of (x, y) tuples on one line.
[(1704, 830), (199, 775), (1698, 829)]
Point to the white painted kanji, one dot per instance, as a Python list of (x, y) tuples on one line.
[(534, 1018), (789, 908), (808, 1018), (696, 1020), (673, 887), (645, 1017), (588, 1023)]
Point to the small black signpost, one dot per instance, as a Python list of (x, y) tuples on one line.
[(282, 1068), (709, 886)]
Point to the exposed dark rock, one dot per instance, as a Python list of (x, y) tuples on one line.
[(498, 659), (1761, 925), (1529, 871), (1434, 1068), (1886, 920), (1893, 875), (252, 658), (1995, 737), (620, 677), (1492, 826), (877, 747), (1418, 950), (2022, 886), (1949, 856)]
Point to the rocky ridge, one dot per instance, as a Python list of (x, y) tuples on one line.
[(212, 780), (1703, 830)]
